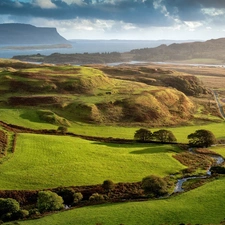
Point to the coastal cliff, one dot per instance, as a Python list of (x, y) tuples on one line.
[(25, 34)]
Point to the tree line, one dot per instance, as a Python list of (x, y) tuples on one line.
[(200, 138)]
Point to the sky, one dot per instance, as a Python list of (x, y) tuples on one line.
[(121, 19)]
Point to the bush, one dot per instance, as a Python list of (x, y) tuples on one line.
[(217, 170), (62, 129), (154, 185), (8, 206), (77, 197), (108, 185), (96, 197), (21, 214), (49, 201), (34, 212)]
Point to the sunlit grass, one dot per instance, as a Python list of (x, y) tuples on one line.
[(203, 205), (44, 161), (29, 118), (220, 149), (24, 117)]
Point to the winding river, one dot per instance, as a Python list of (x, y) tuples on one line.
[(178, 188)]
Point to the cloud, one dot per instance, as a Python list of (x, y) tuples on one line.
[(212, 12), (118, 16), (44, 4), (133, 11), (193, 25), (139, 12)]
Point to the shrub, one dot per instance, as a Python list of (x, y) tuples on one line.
[(108, 185), (62, 129), (96, 197), (217, 170), (77, 197), (154, 185), (21, 214), (8, 206), (49, 201), (34, 212)]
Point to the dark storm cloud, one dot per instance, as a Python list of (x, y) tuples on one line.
[(139, 12), (191, 10), (185, 10), (129, 11)]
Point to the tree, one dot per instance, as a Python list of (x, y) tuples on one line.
[(164, 136), (154, 185), (49, 201), (143, 134), (108, 185), (201, 138)]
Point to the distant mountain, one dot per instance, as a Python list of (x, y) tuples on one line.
[(25, 34), (212, 50)]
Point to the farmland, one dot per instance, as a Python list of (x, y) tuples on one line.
[(42, 161), (100, 109)]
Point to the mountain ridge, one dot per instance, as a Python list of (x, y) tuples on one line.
[(210, 49)]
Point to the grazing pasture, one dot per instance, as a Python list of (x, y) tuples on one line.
[(29, 118), (45, 161), (89, 102)]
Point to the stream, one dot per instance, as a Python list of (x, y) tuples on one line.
[(178, 188)]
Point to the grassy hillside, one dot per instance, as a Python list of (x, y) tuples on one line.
[(106, 102), (203, 205), (157, 76), (82, 94), (44, 161)]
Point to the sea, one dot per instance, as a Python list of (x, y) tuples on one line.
[(90, 46)]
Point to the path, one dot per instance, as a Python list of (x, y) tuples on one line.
[(218, 104)]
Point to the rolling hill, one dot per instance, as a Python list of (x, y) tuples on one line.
[(212, 50), (153, 97), (208, 52)]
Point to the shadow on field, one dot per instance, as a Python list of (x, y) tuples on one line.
[(129, 145), (33, 117), (144, 148), (152, 151)]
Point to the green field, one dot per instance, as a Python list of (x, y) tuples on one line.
[(24, 117), (45, 161), (204, 205), (180, 133), (93, 104), (220, 149), (29, 118)]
